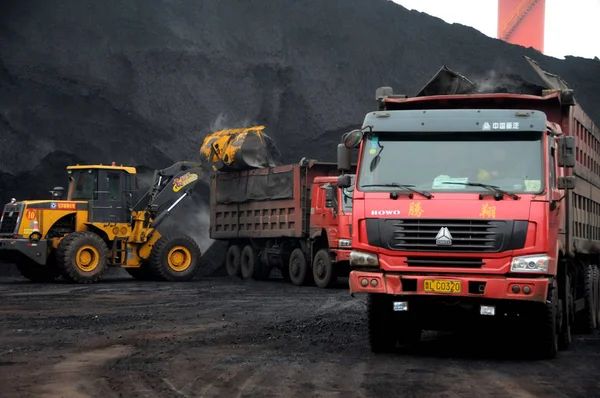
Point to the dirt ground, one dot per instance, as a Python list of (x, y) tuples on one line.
[(222, 337)]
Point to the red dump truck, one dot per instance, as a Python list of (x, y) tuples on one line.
[(291, 217), (473, 207)]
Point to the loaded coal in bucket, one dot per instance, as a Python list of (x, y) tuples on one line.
[(239, 149)]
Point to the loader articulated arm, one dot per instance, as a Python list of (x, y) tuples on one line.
[(169, 187)]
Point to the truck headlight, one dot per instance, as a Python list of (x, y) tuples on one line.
[(345, 243), (536, 263), (362, 259)]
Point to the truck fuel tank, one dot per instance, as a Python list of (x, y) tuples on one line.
[(238, 149)]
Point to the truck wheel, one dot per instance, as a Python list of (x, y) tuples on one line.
[(175, 258), (545, 339), (587, 321), (82, 257), (322, 268), (249, 262), (232, 261), (39, 273), (597, 287), (298, 268), (564, 338), (381, 323)]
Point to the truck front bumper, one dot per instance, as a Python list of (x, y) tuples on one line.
[(16, 250), (472, 286)]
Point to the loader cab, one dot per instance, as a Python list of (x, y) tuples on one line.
[(107, 189)]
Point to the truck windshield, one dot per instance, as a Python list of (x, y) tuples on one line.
[(446, 161)]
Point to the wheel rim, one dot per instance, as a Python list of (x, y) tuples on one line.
[(179, 258), (87, 258)]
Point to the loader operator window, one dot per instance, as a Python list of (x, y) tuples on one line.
[(446, 161), (114, 186), (85, 185)]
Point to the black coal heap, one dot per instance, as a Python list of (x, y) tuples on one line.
[(141, 82)]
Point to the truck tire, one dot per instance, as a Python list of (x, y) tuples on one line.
[(232, 261), (545, 338), (39, 273), (381, 323), (175, 258), (323, 271), (298, 268), (250, 263), (82, 257), (587, 321), (564, 337), (597, 287)]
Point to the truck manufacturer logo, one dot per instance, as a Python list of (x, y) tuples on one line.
[(186, 179), (385, 212), (443, 237)]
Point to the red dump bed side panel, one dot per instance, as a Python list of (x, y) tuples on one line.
[(264, 203)]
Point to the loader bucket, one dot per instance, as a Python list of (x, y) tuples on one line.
[(238, 149)]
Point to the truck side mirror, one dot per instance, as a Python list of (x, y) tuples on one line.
[(345, 181), (566, 152), (567, 182), (344, 155)]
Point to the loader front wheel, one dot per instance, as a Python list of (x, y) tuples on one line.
[(39, 273), (82, 257), (175, 258)]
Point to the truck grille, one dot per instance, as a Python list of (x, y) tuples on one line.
[(467, 236)]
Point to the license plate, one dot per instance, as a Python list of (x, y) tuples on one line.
[(441, 286)]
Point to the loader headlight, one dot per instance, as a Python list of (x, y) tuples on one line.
[(535, 263), (363, 259)]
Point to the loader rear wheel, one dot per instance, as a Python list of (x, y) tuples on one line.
[(323, 271), (175, 258), (250, 263), (82, 257), (39, 273), (233, 260)]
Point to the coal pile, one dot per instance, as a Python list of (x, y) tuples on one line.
[(142, 82)]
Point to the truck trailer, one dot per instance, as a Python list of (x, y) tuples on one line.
[(472, 208), (290, 217)]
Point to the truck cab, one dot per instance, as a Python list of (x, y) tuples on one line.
[(467, 208), (331, 223)]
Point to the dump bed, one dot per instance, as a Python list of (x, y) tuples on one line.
[(271, 202)]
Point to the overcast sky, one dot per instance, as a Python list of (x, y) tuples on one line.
[(569, 29)]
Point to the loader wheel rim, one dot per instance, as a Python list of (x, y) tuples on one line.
[(87, 258), (179, 258)]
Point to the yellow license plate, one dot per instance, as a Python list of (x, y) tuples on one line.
[(441, 286)]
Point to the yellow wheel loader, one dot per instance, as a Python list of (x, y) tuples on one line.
[(97, 226)]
